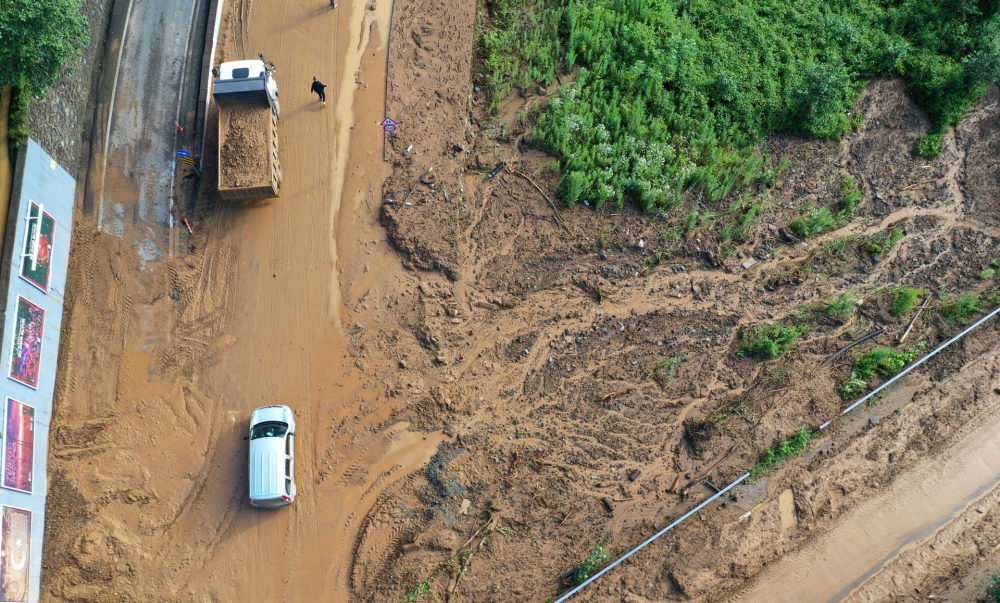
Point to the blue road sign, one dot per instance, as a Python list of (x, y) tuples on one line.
[(389, 128), (183, 154)]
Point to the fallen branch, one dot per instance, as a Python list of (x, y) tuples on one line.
[(551, 204), (851, 345), (902, 337), (928, 181), (612, 396), (417, 183)]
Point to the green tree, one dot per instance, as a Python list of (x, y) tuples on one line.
[(824, 97), (37, 37)]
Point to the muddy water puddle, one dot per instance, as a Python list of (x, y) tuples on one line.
[(786, 504)]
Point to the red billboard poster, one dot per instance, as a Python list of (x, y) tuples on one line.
[(36, 257), (15, 554), (26, 349), (19, 446)]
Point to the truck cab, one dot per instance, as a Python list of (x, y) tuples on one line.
[(250, 81), (272, 457)]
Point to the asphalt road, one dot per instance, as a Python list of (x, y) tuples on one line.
[(135, 177)]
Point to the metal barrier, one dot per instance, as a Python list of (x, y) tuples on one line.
[(863, 399)]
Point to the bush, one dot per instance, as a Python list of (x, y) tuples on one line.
[(672, 95), (598, 557), (960, 310), (817, 221), (905, 299), (843, 304), (17, 120), (770, 342), (785, 449), (994, 591), (882, 242), (850, 197), (987, 274), (884, 361)]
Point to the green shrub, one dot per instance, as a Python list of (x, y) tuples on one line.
[(884, 361), (882, 242), (817, 221), (929, 146), (987, 274), (994, 591), (905, 299), (770, 342), (17, 120), (672, 95), (598, 557), (850, 197), (842, 304), (958, 311), (39, 37), (784, 450)]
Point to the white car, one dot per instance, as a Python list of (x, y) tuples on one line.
[(272, 457)]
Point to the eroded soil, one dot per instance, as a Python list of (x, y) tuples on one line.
[(502, 383)]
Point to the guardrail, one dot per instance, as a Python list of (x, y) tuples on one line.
[(860, 401), (207, 63)]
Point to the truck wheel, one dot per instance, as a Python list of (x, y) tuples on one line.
[(277, 107)]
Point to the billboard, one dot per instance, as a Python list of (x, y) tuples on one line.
[(15, 552), (19, 446), (26, 348), (36, 266)]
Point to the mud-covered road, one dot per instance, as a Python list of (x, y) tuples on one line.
[(166, 357)]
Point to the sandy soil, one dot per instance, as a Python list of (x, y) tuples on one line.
[(489, 385), (245, 160)]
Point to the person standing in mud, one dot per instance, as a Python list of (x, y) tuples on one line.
[(319, 88)]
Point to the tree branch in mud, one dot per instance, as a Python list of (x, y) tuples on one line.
[(841, 351)]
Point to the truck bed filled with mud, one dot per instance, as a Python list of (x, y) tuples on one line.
[(247, 149)]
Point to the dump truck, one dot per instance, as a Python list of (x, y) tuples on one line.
[(247, 95)]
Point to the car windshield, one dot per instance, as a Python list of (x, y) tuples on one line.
[(272, 429)]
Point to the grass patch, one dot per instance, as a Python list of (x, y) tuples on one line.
[(994, 591), (905, 300), (597, 557), (959, 311), (666, 369), (770, 342), (884, 361), (784, 450), (987, 274), (884, 241), (838, 306)]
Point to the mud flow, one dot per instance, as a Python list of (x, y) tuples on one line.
[(491, 389)]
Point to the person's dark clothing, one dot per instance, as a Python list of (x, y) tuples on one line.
[(319, 88)]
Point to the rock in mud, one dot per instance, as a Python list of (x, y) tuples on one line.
[(609, 505)]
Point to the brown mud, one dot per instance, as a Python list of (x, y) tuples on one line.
[(245, 150), (487, 384)]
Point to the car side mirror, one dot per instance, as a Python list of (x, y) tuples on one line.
[(245, 438)]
